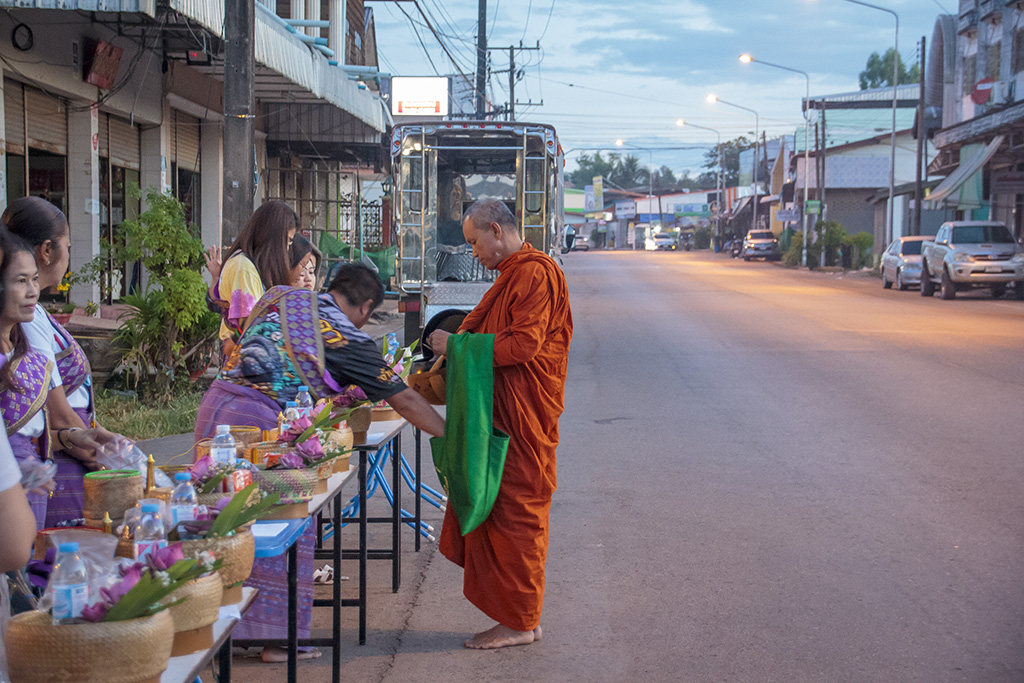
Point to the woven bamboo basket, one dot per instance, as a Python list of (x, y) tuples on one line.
[(384, 413), (237, 553), (194, 617), (133, 651), (295, 486), (359, 422), (212, 498), (340, 438), (110, 491), (429, 383)]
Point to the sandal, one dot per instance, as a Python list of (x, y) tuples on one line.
[(324, 576)]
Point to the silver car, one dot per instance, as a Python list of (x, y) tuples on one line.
[(761, 244), (901, 262)]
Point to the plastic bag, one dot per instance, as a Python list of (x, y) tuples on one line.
[(97, 551), (132, 515), (121, 453), (36, 474)]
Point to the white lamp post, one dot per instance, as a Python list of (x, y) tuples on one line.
[(757, 126), (747, 59)]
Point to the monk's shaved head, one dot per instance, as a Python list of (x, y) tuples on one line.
[(487, 211)]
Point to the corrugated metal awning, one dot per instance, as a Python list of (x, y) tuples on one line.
[(280, 51), (946, 189)]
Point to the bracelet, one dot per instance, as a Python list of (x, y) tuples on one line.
[(66, 444)]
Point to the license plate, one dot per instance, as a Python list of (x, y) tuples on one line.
[(993, 269)]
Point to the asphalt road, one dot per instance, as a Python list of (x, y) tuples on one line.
[(765, 475)]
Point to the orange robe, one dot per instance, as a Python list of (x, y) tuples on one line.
[(527, 309)]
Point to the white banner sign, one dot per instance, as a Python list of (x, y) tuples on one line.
[(625, 209), (1008, 182)]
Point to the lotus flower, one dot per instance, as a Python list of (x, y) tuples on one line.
[(350, 396), (295, 429), (95, 612), (292, 461), (310, 449), (161, 560), (130, 577), (201, 468)]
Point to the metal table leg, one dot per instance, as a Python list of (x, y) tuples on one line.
[(396, 512), (224, 661), (362, 547), (293, 617), (336, 634), (419, 486)]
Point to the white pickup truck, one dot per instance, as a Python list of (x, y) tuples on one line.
[(967, 254)]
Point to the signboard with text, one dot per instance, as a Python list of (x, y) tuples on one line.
[(813, 206), (1008, 182), (598, 193), (419, 96), (625, 209), (787, 215)]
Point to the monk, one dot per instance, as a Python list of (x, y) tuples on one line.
[(527, 309)]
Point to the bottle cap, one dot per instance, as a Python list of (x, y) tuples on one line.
[(182, 476), (149, 508), (303, 387), (70, 547), (291, 404), (223, 429)]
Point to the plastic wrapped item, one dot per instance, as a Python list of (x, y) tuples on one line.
[(36, 474), (97, 552), (131, 516), (121, 453)]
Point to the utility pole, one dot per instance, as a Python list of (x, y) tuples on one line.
[(921, 146), (239, 116), (511, 114), (510, 109), (481, 58)]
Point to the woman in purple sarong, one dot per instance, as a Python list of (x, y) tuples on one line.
[(295, 337), (70, 402), (26, 378)]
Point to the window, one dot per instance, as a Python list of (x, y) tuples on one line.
[(912, 248)]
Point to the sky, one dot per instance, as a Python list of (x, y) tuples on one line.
[(615, 69)]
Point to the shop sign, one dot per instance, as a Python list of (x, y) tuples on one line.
[(1008, 182), (625, 209), (787, 215)]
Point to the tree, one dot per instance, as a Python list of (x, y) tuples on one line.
[(878, 71), (730, 150)]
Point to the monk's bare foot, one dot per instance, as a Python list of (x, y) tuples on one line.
[(501, 636), (537, 633)]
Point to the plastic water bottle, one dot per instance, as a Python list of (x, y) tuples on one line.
[(69, 582), (183, 499), (392, 344), (222, 450), (149, 532), (291, 413), (304, 402)]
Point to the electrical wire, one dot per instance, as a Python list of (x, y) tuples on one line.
[(545, 31), (529, 7)]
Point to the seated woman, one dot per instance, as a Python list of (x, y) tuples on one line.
[(70, 404), (27, 376), (305, 264), (295, 337)]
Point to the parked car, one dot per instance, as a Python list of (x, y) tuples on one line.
[(663, 241), (760, 244), (901, 262), (968, 254), (582, 242)]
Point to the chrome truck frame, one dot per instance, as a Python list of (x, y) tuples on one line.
[(438, 169)]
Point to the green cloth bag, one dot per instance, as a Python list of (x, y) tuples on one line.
[(470, 457)]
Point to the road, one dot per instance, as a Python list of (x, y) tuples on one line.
[(765, 475)]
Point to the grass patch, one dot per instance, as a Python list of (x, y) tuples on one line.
[(137, 420)]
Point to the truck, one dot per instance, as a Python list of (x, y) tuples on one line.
[(438, 169), (969, 254)]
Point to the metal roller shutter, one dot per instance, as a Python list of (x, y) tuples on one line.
[(186, 141), (14, 116), (124, 143), (47, 122)]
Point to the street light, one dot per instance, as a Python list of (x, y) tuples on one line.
[(892, 140), (747, 59), (757, 125), (650, 176), (721, 168)]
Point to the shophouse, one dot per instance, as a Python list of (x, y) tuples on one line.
[(100, 96)]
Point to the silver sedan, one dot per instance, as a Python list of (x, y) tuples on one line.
[(901, 262)]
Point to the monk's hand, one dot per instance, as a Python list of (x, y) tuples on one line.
[(438, 342)]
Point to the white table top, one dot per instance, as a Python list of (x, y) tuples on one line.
[(380, 433), (186, 668)]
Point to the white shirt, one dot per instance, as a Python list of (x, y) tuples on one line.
[(10, 473), (42, 337)]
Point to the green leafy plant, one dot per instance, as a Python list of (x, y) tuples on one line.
[(860, 245), (92, 308), (167, 327), (235, 514)]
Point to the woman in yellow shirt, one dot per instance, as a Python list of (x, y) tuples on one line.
[(257, 261)]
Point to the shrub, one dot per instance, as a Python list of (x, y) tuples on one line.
[(860, 245)]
